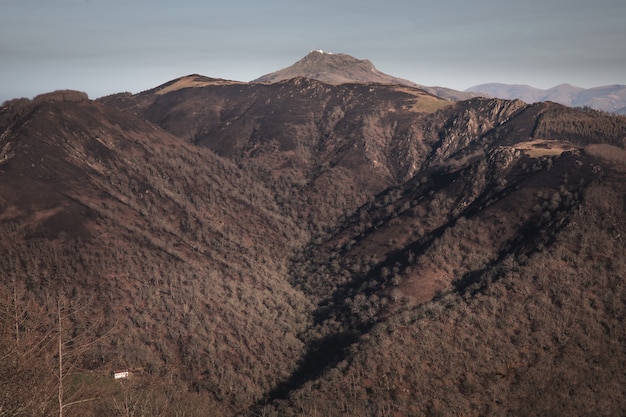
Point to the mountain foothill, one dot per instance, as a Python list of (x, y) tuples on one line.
[(326, 240)]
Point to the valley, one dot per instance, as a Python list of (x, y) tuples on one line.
[(299, 247)]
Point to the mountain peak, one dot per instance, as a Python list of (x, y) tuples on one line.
[(320, 51), (333, 68), (341, 68)]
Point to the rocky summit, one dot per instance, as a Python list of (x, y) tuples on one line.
[(342, 68)]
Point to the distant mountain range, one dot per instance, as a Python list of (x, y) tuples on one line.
[(610, 98)]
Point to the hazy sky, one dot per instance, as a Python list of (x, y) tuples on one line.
[(108, 46)]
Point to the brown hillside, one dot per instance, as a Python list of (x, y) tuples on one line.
[(334, 145), (482, 286), (175, 255), (303, 248)]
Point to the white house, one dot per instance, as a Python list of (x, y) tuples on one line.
[(121, 374)]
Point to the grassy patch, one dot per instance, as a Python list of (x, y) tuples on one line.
[(539, 147)]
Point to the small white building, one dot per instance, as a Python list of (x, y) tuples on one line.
[(121, 375)]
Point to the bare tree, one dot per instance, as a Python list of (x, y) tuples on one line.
[(70, 348)]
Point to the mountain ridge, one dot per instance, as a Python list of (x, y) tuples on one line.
[(303, 248), (333, 68), (610, 98), (342, 68)]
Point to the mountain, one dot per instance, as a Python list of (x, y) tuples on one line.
[(610, 98), (333, 69), (333, 138), (152, 245), (305, 248), (342, 68)]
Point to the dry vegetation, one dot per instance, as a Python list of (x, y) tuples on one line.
[(303, 249), (535, 335), (612, 154), (190, 81)]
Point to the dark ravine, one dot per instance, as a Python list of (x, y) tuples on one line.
[(302, 248)]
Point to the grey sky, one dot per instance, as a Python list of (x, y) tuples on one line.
[(108, 46)]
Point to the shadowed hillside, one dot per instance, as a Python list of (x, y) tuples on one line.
[(331, 146), (302, 248), (177, 256)]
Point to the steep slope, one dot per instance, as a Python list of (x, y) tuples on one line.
[(175, 259), (502, 175), (333, 145), (479, 287), (342, 68), (302, 248), (492, 190), (544, 336)]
